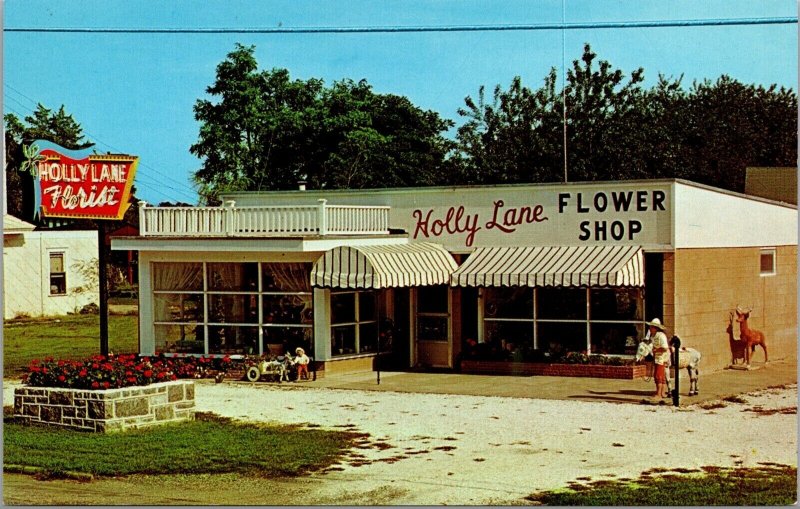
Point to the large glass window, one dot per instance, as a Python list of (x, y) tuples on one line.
[(433, 315), (354, 322), (225, 308), (594, 320), (287, 307), (508, 321), (178, 307)]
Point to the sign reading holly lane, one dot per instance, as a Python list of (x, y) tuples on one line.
[(72, 184)]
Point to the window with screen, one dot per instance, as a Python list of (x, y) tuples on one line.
[(58, 276)]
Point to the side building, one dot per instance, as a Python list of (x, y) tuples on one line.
[(412, 274), (47, 272)]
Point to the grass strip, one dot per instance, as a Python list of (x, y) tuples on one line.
[(769, 484), (67, 337), (207, 445)]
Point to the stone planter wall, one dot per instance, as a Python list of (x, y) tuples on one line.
[(542, 369), (106, 410)]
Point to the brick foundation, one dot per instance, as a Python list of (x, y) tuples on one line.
[(542, 369), (106, 410)]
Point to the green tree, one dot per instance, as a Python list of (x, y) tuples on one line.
[(267, 131), (730, 125), (617, 129), (44, 124)]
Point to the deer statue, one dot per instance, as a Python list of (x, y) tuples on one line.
[(737, 346), (750, 336)]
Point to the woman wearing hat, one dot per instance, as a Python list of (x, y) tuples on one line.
[(660, 357)]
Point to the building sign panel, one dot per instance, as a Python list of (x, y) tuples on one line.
[(557, 216), (77, 184), (464, 218)]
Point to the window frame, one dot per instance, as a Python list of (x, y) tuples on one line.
[(205, 320), (62, 275), (536, 320), (356, 323), (773, 253)]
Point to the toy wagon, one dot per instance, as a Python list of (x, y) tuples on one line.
[(275, 370)]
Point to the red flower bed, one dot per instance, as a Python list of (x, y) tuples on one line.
[(115, 371)]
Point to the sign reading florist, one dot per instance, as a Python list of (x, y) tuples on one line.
[(79, 185)]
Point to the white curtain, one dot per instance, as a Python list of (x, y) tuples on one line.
[(294, 277), (178, 276)]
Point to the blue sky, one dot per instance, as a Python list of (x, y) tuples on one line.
[(134, 93)]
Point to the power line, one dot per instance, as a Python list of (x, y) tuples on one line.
[(181, 192), (101, 142), (780, 20)]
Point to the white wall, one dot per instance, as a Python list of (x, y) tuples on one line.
[(707, 218), (26, 272)]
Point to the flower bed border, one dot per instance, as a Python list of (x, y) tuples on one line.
[(629, 372), (106, 410)]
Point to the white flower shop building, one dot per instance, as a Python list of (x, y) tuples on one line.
[(411, 274)]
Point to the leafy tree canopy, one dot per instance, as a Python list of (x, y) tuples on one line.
[(266, 131), (617, 129)]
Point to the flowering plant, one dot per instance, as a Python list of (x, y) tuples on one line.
[(115, 371)]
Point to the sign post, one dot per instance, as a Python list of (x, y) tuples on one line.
[(103, 281), (676, 345), (78, 184)]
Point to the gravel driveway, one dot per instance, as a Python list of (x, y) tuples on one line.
[(436, 449)]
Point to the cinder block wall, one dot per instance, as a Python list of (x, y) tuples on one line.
[(707, 284)]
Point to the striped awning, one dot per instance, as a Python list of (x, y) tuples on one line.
[(364, 267), (552, 266)]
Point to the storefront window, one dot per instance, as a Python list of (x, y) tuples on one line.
[(558, 338), (233, 277), (561, 303), (616, 304), (179, 338), (560, 322), (508, 321), (232, 339), (508, 302), (354, 322), (505, 339), (287, 308), (343, 307), (178, 304), (178, 276), (233, 310), (616, 338), (178, 307)]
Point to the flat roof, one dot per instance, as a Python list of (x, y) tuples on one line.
[(434, 189)]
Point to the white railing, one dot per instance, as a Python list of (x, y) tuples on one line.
[(288, 220)]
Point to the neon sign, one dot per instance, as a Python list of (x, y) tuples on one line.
[(75, 184)]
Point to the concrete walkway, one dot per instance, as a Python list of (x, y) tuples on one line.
[(713, 386)]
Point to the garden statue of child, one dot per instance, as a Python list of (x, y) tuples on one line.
[(301, 361)]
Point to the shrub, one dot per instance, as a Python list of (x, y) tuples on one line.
[(574, 358), (115, 371)]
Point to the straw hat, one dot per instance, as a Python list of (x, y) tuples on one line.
[(300, 351), (657, 324)]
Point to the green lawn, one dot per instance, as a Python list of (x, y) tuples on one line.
[(207, 445), (769, 484), (71, 337)]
